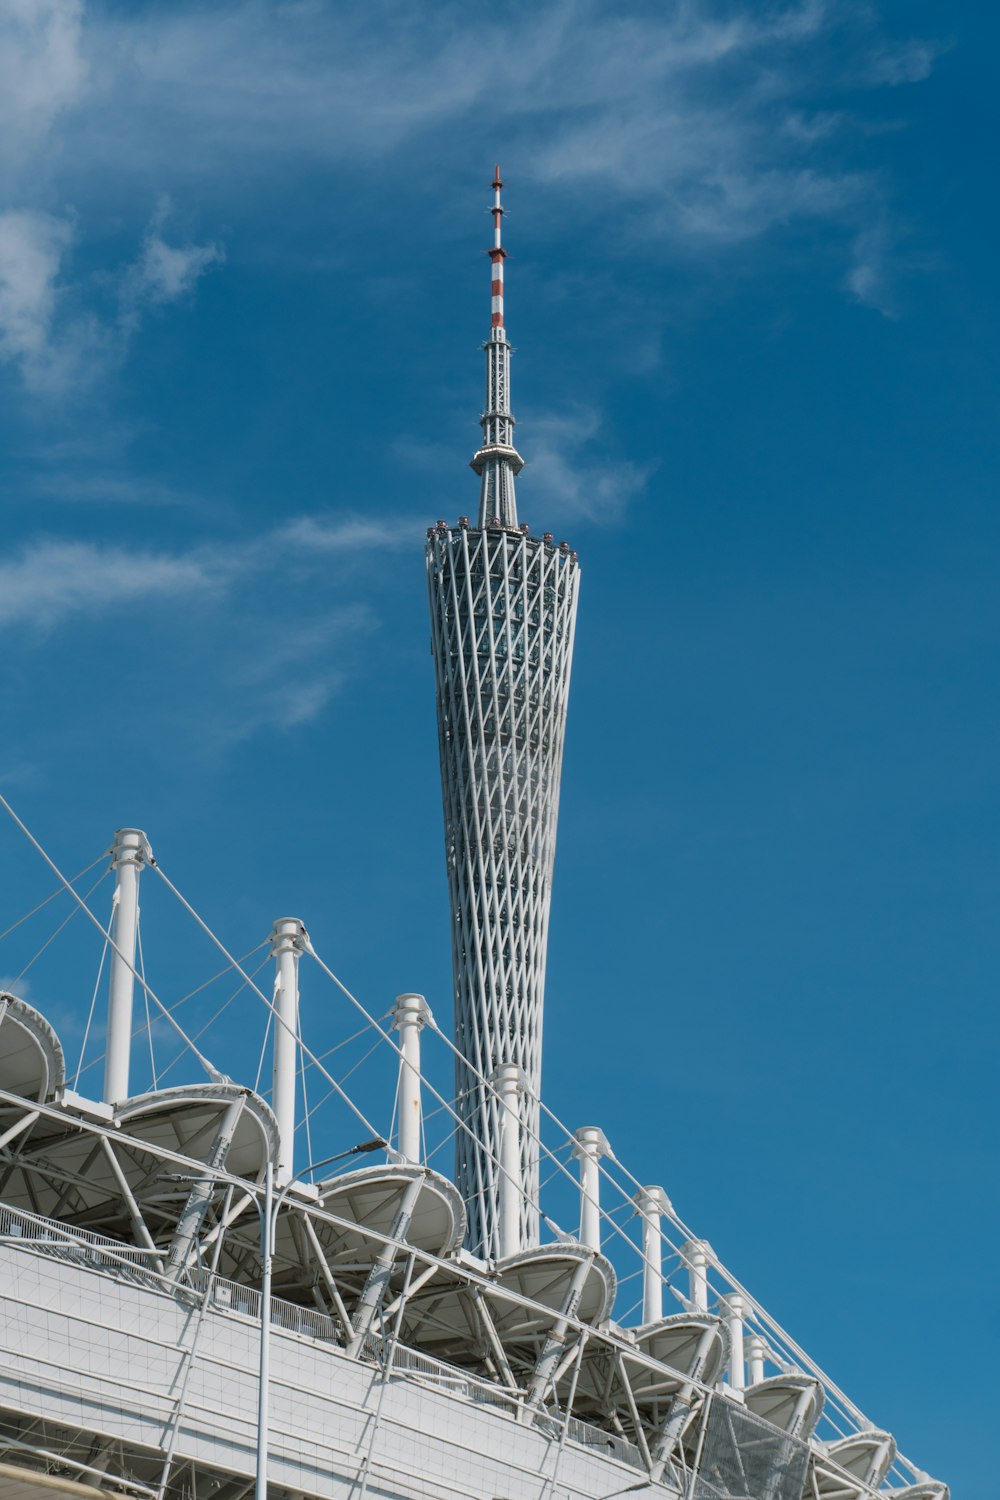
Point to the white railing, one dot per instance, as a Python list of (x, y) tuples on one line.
[(78, 1246), (82, 1247), (99, 1252), (606, 1442), (450, 1378), (233, 1297), (481, 1393)]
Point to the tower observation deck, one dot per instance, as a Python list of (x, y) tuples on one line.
[(503, 611)]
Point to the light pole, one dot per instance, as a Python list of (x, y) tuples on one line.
[(269, 1212)]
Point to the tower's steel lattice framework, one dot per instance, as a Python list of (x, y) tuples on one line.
[(503, 612)]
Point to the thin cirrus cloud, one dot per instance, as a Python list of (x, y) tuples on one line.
[(311, 535), (704, 128), (52, 581), (47, 332), (281, 674), (42, 71), (33, 338), (712, 123), (569, 480), (205, 638), (67, 486)]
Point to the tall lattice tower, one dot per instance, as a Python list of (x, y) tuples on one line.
[(503, 612)]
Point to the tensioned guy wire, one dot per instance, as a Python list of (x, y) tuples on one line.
[(176, 1004), (212, 1020), (212, 1071), (64, 923), (93, 1001), (278, 1019), (854, 1412), (149, 1024), (51, 897), (841, 1398)]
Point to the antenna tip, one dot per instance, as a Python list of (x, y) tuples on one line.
[(497, 180)]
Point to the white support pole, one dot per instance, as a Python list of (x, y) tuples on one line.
[(267, 1228), (288, 940), (555, 1342), (410, 1015), (733, 1309), (755, 1356), (652, 1203), (192, 1216), (802, 1409), (129, 852), (695, 1254), (373, 1295), (591, 1145), (680, 1409), (508, 1080)]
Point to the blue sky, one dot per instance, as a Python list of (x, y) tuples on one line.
[(752, 290)]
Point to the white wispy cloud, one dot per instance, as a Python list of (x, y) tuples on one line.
[(868, 279), (70, 486), (634, 100), (42, 70), (164, 273), (283, 675), (50, 581), (569, 480), (907, 62), (44, 346), (48, 333), (343, 534), (694, 121), (31, 247), (245, 637)]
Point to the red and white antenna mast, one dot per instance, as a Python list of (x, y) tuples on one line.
[(497, 254), (497, 462)]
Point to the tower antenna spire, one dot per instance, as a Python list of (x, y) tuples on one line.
[(497, 254), (497, 461)]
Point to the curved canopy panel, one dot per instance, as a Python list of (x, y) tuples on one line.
[(469, 1325), (31, 1057), (696, 1346), (792, 1402), (685, 1347), (372, 1197), (864, 1456), (114, 1181), (546, 1275), (369, 1202), (189, 1120), (926, 1489)]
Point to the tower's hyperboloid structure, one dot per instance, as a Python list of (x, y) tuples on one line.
[(503, 610)]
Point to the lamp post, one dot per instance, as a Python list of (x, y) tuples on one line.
[(269, 1212)]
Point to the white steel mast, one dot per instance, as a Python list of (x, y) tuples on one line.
[(503, 612)]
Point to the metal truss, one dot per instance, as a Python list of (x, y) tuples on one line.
[(503, 609), (497, 462)]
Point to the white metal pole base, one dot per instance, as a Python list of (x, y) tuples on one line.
[(410, 1015), (129, 852), (695, 1255), (652, 1203), (288, 941), (509, 1082), (591, 1145)]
